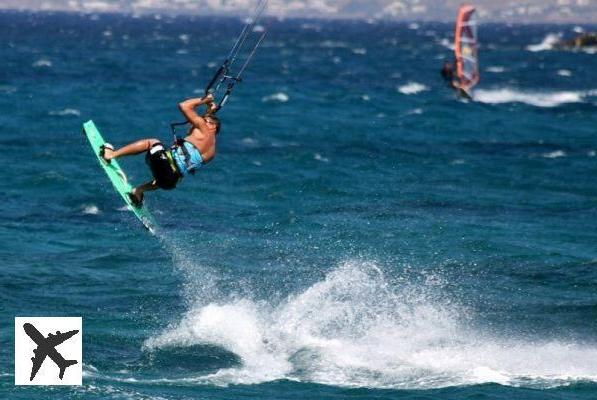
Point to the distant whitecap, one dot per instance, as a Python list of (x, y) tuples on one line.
[(360, 51), (279, 97), (412, 88), (564, 72), (547, 44), (591, 153), (90, 209), (249, 141), (414, 26), (538, 99), (42, 63), (66, 112), (321, 158), (447, 44), (496, 69), (184, 38), (555, 154)]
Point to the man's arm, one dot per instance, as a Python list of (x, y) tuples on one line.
[(187, 108)]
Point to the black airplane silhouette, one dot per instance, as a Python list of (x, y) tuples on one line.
[(46, 347)]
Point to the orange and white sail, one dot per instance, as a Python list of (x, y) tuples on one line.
[(465, 48)]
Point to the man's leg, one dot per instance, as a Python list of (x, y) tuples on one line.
[(137, 147), (136, 194)]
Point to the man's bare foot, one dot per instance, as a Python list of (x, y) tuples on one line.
[(136, 198)]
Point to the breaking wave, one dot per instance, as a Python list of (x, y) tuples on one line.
[(412, 88), (358, 328), (547, 43), (538, 99)]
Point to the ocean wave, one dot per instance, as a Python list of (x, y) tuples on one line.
[(555, 154), (538, 99), (447, 44), (280, 97), (355, 328), (495, 69), (42, 63), (547, 43), (90, 209), (66, 112), (412, 88), (564, 72)]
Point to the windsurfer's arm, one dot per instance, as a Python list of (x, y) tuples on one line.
[(187, 108)]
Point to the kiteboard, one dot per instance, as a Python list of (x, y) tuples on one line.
[(117, 177)]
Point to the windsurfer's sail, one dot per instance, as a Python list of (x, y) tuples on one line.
[(465, 48)]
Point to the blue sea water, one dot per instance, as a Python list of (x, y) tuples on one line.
[(361, 233)]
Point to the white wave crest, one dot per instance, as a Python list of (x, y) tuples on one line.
[(564, 72), (538, 99), (90, 209), (355, 328), (66, 112), (555, 154), (412, 88), (42, 63), (280, 97), (496, 69), (447, 44), (546, 44)]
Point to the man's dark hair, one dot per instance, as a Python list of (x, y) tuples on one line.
[(216, 120)]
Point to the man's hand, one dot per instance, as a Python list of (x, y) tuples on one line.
[(212, 108)]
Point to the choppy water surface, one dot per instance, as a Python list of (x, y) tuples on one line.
[(360, 233)]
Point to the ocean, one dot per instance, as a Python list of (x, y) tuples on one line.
[(361, 233)]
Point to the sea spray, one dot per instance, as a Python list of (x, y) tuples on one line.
[(359, 328)]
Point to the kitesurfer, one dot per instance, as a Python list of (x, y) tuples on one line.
[(168, 166)]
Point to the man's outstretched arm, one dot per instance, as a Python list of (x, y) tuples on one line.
[(187, 108)]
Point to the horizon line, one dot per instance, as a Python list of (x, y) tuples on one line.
[(320, 17)]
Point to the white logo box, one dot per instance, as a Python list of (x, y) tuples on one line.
[(47, 331)]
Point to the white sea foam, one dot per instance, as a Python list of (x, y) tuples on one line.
[(360, 51), (564, 72), (416, 111), (412, 88), (591, 153), (279, 97), (447, 44), (7, 89), (555, 154), (184, 37), (495, 69), (357, 328), (42, 63), (321, 158), (413, 25), (90, 209), (546, 44), (539, 99), (66, 112)]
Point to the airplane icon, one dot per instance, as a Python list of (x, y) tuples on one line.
[(47, 347)]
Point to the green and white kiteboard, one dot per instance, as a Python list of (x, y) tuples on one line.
[(117, 177)]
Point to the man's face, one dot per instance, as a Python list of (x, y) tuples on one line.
[(211, 124)]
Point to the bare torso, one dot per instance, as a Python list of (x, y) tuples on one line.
[(204, 142)]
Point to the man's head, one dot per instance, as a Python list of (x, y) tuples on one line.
[(212, 122)]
